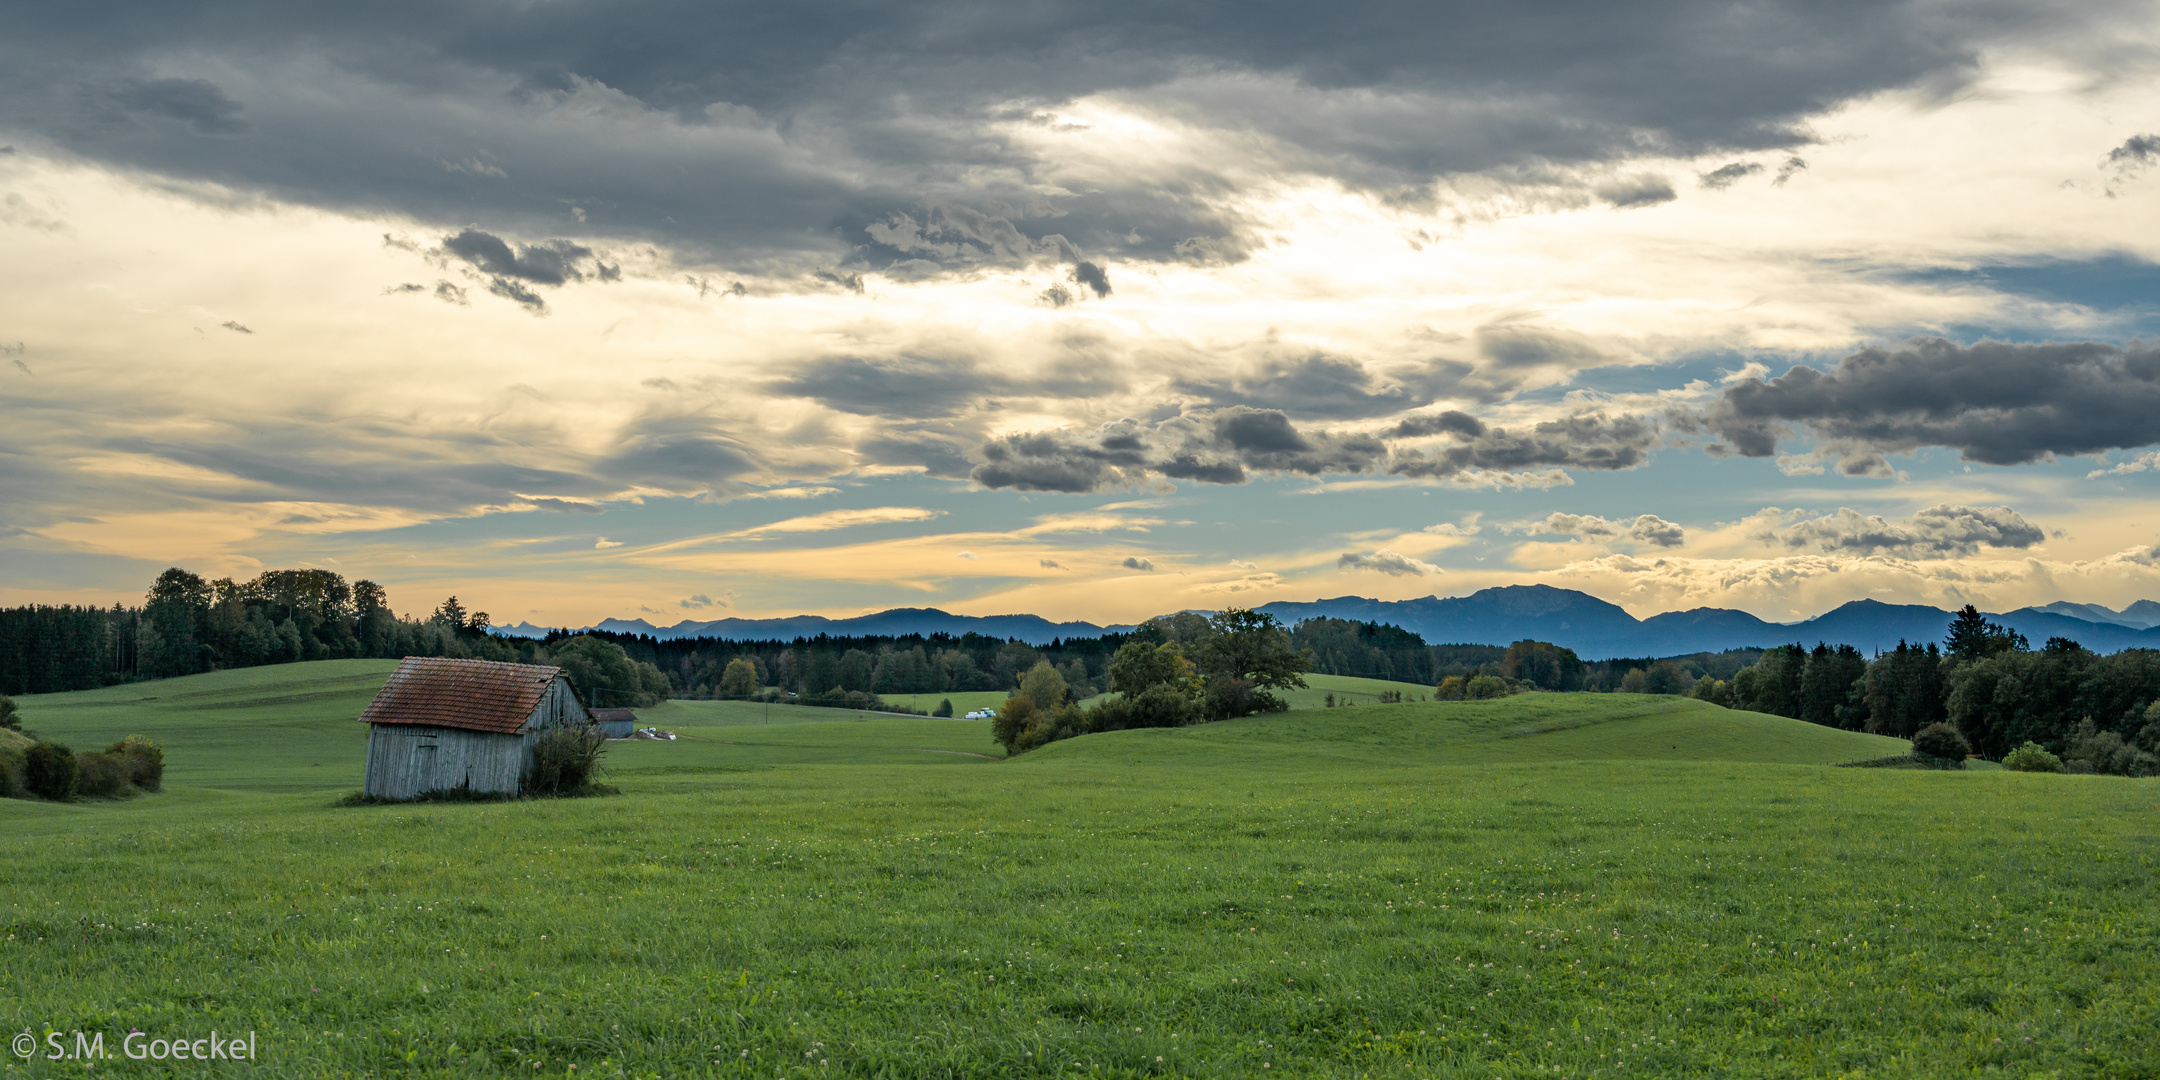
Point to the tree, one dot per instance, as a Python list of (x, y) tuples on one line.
[(604, 674), (855, 670), (449, 614), (944, 708), (177, 611), (1547, 665), (1140, 664), (1826, 687), (1903, 691), (1244, 655), (1973, 637), (10, 717), (740, 680), (1044, 686)]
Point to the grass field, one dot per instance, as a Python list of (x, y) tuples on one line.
[(1549, 886)]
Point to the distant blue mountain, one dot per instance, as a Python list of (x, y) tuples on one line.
[(1596, 630), (897, 622)]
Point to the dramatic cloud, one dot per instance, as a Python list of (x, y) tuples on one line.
[(1584, 441), (1383, 561), (1223, 447), (1721, 178), (508, 269), (1994, 402), (1647, 528), (198, 103), (1316, 386), (1936, 532), (917, 134), (926, 385)]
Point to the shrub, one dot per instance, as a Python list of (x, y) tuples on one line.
[(563, 761), (1486, 687), (1450, 688), (944, 708), (2093, 751), (145, 761), (10, 717), (1943, 742), (1158, 706), (49, 772), (11, 775), (2032, 757), (100, 776)]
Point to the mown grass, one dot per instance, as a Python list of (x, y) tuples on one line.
[(1443, 890)]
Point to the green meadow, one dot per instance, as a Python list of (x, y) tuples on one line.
[(1541, 886)]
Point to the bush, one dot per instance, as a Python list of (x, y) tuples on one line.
[(11, 775), (49, 772), (1943, 742), (100, 776), (10, 717), (145, 762), (2093, 751), (1487, 687), (1158, 706), (563, 761), (944, 708), (2032, 757)]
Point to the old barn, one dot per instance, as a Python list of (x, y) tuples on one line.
[(440, 725)]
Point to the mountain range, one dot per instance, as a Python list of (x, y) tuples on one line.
[(1595, 629)]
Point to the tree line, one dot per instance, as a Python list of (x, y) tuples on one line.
[(188, 624), (2099, 713)]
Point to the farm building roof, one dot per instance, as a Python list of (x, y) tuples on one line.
[(477, 695), (601, 716)]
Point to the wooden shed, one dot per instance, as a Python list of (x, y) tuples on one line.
[(440, 725), (615, 723)]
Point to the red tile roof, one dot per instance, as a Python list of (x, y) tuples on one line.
[(477, 695)]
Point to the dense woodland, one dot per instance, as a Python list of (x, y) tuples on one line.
[(1997, 690)]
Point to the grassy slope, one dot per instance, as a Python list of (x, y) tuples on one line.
[(1530, 727), (1324, 901)]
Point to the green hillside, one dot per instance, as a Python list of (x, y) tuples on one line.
[(1548, 885), (1523, 728)]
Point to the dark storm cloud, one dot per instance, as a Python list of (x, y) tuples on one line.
[(1938, 532), (1994, 402), (1584, 441), (1632, 191), (784, 134), (1092, 276), (1315, 386), (550, 262), (198, 103), (1224, 447), (1724, 177), (508, 269), (924, 385)]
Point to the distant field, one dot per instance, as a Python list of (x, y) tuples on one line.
[(962, 703), (1544, 886)]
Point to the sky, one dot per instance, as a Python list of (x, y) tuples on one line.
[(1095, 311)]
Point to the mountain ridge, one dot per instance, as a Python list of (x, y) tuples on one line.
[(1594, 628)]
